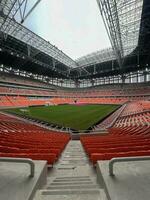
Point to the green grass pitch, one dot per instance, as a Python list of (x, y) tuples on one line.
[(79, 117)]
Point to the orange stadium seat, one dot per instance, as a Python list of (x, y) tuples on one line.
[(129, 135), (20, 139)]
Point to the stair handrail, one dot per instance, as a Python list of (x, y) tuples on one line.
[(20, 160), (125, 159)]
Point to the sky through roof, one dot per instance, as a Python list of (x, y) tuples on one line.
[(74, 26)]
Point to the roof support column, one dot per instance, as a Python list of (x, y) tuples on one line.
[(123, 78), (54, 64), (137, 77), (29, 50), (77, 83), (145, 76), (130, 78), (95, 69)]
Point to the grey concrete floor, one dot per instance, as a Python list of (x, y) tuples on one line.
[(131, 180), (72, 177), (15, 183)]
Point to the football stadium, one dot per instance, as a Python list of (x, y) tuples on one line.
[(75, 129)]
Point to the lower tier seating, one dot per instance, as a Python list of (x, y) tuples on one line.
[(118, 143), (110, 120), (129, 136), (20, 139), (136, 107)]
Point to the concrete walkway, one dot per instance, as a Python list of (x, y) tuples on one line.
[(72, 178), (131, 180), (15, 182)]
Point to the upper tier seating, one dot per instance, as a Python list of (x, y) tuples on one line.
[(114, 90), (16, 79), (21, 139), (14, 95), (25, 91)]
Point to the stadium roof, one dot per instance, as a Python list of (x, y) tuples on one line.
[(9, 26), (122, 20), (96, 57), (126, 23)]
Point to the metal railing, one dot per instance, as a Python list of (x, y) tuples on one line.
[(20, 160), (125, 159)]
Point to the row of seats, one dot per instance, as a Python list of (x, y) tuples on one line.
[(134, 119), (109, 90), (136, 107), (79, 94), (135, 114), (25, 91), (25, 101), (126, 91), (21, 101), (123, 143), (21, 139), (128, 140), (11, 78), (110, 120), (99, 100)]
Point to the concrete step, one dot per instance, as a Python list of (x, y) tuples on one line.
[(74, 156), (74, 153), (75, 180), (74, 163), (69, 178), (72, 183), (66, 163), (74, 159), (62, 187), (95, 194), (72, 178), (65, 167)]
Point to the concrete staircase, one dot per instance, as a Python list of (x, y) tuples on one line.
[(72, 178)]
